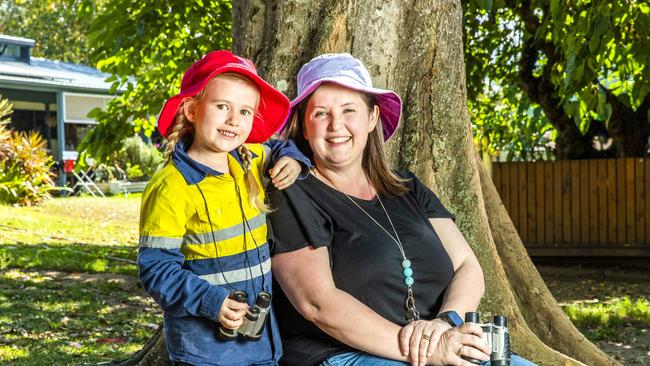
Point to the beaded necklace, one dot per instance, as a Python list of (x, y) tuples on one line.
[(411, 312)]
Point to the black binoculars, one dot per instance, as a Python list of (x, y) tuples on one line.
[(254, 320), (496, 335)]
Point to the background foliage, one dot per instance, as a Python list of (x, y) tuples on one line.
[(578, 67), (25, 176), (138, 159), (59, 27), (147, 47)]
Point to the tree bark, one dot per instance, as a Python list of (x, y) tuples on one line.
[(415, 48)]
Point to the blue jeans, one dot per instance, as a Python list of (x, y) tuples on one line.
[(365, 359)]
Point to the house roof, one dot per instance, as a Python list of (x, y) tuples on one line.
[(44, 74), (19, 41)]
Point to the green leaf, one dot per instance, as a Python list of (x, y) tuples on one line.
[(555, 9), (608, 112)]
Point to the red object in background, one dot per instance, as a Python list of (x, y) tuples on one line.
[(68, 166), (110, 340)]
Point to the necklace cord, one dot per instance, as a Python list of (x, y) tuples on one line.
[(412, 312)]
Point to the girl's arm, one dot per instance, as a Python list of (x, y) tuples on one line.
[(274, 150), (177, 290), (162, 226)]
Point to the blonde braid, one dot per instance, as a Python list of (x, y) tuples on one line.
[(251, 182), (180, 128)]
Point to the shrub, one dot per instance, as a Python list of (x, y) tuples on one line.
[(138, 159), (25, 176)]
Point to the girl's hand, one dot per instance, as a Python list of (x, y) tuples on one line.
[(417, 339), (232, 312), (464, 340), (285, 172)]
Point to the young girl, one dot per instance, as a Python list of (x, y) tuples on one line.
[(203, 232)]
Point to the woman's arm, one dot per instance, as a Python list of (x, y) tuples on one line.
[(467, 286), (306, 278), (462, 295)]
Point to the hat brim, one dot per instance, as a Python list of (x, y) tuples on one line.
[(390, 104), (271, 112)]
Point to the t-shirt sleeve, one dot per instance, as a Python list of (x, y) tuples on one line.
[(296, 221), (428, 200)]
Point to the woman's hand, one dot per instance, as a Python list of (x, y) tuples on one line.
[(417, 339), (464, 340), (285, 172)]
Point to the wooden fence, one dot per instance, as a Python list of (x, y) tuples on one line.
[(579, 208)]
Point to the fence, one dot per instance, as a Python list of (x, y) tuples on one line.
[(595, 207)]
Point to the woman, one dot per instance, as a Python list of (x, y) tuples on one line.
[(374, 268)]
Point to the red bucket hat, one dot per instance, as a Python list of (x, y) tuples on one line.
[(273, 106)]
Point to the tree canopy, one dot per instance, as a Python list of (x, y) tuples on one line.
[(59, 27), (147, 47), (578, 69)]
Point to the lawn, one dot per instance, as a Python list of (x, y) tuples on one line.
[(69, 295), (68, 291)]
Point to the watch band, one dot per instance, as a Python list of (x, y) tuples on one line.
[(451, 317)]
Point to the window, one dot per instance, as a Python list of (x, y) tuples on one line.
[(77, 106)]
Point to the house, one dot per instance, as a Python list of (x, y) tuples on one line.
[(51, 97)]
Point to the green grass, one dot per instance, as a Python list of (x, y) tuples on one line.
[(69, 257), (607, 320), (68, 291), (66, 319), (73, 220)]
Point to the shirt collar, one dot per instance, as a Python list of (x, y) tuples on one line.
[(193, 171)]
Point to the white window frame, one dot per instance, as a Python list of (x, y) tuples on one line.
[(81, 121)]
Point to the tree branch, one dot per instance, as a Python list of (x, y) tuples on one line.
[(571, 143)]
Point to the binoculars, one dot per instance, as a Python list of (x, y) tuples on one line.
[(254, 320), (496, 335)]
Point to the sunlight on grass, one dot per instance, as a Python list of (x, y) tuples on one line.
[(602, 319), (103, 221), (69, 257), (10, 353), (64, 296), (97, 265), (58, 318)]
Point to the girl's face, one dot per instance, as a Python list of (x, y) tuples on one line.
[(337, 123), (223, 116)]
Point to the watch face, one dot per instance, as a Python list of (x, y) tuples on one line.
[(452, 318)]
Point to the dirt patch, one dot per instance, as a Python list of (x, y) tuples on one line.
[(572, 284)]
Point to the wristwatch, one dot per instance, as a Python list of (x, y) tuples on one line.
[(451, 317)]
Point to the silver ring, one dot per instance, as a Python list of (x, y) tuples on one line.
[(427, 337)]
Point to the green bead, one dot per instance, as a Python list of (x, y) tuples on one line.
[(406, 263), (407, 272), (409, 281)]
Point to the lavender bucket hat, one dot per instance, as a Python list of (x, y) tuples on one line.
[(347, 71)]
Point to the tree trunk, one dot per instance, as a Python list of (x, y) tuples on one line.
[(415, 48)]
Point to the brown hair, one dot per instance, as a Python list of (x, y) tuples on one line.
[(374, 162), (182, 128)]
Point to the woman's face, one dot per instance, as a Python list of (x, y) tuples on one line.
[(337, 123)]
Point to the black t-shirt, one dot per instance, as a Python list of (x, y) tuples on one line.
[(365, 261)]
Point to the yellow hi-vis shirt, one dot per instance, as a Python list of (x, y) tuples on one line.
[(200, 239), (174, 216)]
